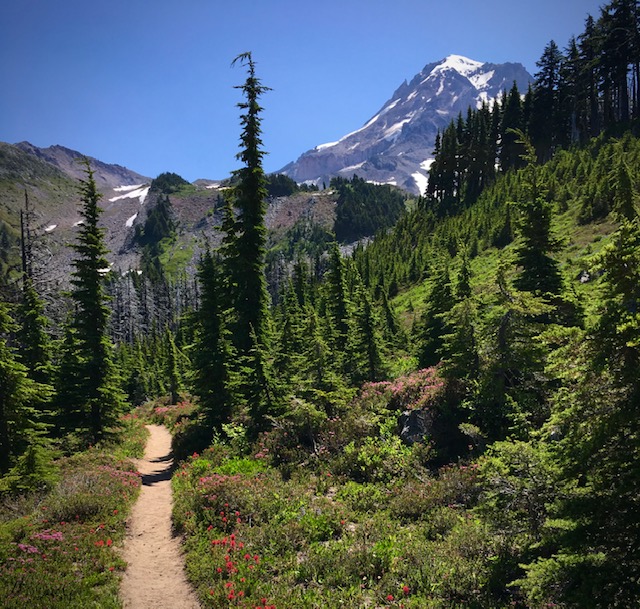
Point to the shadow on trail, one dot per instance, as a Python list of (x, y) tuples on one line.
[(162, 475)]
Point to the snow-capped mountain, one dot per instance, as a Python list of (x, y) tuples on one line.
[(396, 145)]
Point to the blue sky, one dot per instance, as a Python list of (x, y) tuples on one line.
[(148, 83)]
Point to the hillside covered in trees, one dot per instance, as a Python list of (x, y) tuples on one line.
[(444, 417)]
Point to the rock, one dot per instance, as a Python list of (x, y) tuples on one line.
[(414, 425)]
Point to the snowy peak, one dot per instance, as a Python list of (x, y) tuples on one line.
[(396, 144), (462, 65)]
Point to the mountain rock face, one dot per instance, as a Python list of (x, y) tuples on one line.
[(107, 176), (396, 145)]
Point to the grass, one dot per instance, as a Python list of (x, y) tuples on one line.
[(58, 549)]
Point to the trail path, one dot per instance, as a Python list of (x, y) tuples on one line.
[(155, 577)]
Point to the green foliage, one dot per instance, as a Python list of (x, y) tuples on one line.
[(363, 209), (168, 183), (58, 548), (20, 399), (87, 388)]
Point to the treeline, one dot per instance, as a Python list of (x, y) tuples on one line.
[(591, 87)]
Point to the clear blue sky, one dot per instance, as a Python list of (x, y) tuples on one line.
[(148, 83)]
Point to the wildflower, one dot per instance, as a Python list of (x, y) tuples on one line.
[(389, 597), (405, 589)]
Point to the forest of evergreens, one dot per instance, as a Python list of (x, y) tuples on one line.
[(445, 418)]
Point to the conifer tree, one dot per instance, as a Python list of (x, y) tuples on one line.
[(247, 263), (512, 119), (337, 298), (99, 397), (212, 352), (368, 342), (539, 272), (172, 367), (35, 347), (19, 396), (431, 327)]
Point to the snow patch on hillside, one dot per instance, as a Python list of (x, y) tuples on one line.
[(50, 228), (481, 81), (130, 221), (421, 180), (128, 188), (139, 191), (395, 129)]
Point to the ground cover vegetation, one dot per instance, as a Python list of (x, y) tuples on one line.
[(445, 417)]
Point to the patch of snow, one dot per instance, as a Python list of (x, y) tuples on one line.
[(442, 112), (482, 98), (441, 87), (128, 188), (129, 222), (395, 129), (391, 106), (78, 223), (105, 270), (481, 80), (462, 65), (412, 95), (421, 180), (323, 146), (354, 146), (352, 167), (391, 182), (50, 228), (426, 165), (140, 192)]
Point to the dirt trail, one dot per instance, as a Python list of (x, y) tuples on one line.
[(155, 577)]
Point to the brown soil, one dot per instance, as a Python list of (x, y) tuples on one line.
[(155, 577)]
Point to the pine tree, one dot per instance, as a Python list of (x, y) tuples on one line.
[(431, 327), (512, 119), (35, 347), (212, 352), (19, 398), (247, 263), (545, 126), (172, 367), (539, 272), (100, 398), (367, 346)]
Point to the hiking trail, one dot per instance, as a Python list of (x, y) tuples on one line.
[(155, 577)]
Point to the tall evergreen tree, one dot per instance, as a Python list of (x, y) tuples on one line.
[(512, 119), (212, 352), (101, 400), (539, 272), (19, 396), (247, 264), (545, 127), (431, 328)]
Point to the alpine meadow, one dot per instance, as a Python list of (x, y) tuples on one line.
[(377, 399)]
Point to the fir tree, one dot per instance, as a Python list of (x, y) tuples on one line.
[(97, 391), (248, 257), (212, 352), (19, 396)]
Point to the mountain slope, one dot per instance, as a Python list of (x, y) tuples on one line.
[(395, 146)]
